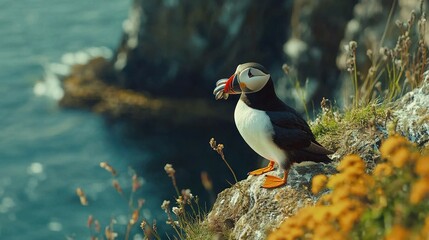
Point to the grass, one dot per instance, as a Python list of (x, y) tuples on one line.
[(186, 217), (393, 70), (331, 126)]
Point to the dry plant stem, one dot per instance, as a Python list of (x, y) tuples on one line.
[(355, 79), (373, 78), (178, 232), (127, 234), (422, 44), (301, 91), (230, 169), (171, 173), (149, 232), (130, 201), (302, 96), (394, 87), (389, 18), (219, 149), (173, 179)]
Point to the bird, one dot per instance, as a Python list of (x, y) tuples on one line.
[(269, 126)]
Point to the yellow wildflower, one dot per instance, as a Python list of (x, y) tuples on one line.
[(351, 161), (382, 199), (400, 157), (277, 235), (391, 144), (398, 232), (321, 214), (359, 190), (324, 231), (340, 194), (383, 170), (340, 208), (422, 166), (325, 199), (354, 192), (304, 217), (425, 230), (353, 173), (318, 183), (419, 190), (295, 233), (310, 224), (348, 220), (337, 180)]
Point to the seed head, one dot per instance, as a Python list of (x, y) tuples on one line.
[(352, 45), (187, 195), (143, 224), (177, 210), (117, 187), (169, 170), (207, 183), (108, 168), (165, 205), (82, 197)]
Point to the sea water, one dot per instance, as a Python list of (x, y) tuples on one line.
[(47, 152)]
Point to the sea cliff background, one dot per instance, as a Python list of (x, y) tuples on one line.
[(146, 69)]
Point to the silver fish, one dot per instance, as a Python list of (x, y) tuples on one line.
[(219, 90)]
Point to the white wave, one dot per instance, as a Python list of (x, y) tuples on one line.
[(51, 85)]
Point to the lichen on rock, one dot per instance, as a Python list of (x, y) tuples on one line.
[(412, 114), (248, 211)]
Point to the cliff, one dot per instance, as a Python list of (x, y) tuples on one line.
[(173, 50), (246, 211)]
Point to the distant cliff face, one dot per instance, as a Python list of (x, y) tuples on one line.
[(175, 47), (179, 48)]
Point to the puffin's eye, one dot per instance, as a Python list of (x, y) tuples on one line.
[(250, 74)]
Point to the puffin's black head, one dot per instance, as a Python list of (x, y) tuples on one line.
[(248, 78)]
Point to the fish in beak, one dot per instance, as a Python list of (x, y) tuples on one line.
[(224, 87)]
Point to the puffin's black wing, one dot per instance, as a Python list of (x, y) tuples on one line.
[(291, 120), (292, 133)]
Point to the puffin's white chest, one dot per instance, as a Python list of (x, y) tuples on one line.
[(256, 129)]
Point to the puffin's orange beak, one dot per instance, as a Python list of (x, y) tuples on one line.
[(232, 86)]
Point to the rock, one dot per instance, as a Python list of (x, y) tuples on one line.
[(180, 48), (412, 113), (247, 211), (84, 88)]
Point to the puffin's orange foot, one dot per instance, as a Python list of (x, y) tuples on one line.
[(263, 170), (273, 182)]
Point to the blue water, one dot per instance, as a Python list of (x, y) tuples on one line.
[(46, 152)]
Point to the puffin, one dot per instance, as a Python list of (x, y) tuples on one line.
[(271, 128)]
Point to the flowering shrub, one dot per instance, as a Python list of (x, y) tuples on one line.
[(390, 203)]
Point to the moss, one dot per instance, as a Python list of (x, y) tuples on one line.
[(331, 127), (362, 116), (327, 125), (197, 231)]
